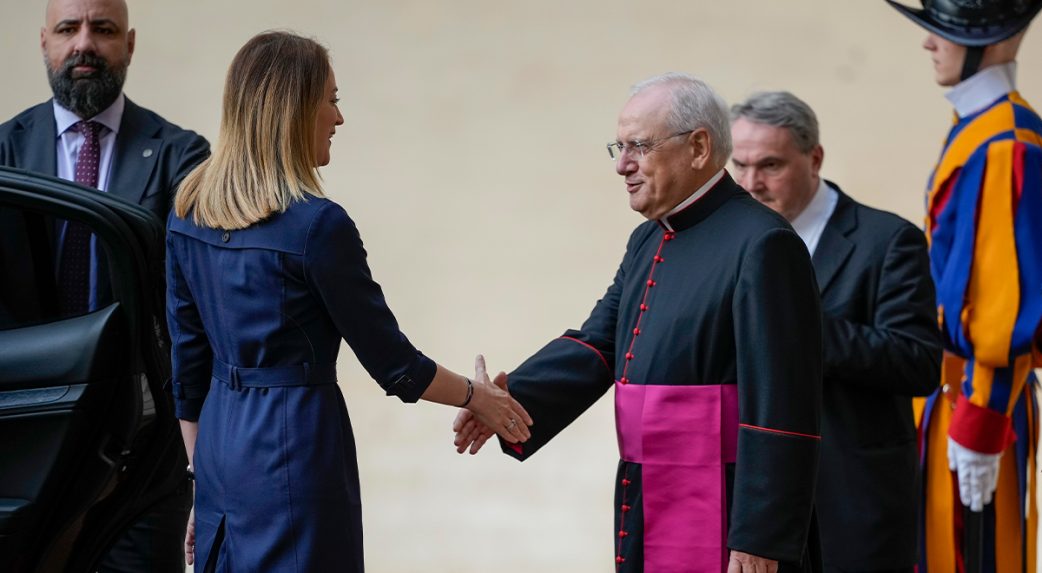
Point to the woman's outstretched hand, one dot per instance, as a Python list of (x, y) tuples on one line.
[(470, 433), (491, 409)]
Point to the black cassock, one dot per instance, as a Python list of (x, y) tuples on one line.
[(712, 330)]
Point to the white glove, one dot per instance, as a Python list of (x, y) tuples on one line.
[(978, 474)]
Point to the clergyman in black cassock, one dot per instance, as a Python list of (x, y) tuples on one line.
[(710, 335)]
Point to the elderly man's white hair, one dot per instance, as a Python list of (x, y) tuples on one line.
[(695, 105)]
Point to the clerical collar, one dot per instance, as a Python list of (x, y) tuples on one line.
[(699, 204), (111, 117), (983, 88)]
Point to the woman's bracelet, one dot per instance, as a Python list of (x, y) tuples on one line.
[(470, 392)]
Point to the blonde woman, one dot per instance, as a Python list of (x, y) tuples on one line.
[(265, 276)]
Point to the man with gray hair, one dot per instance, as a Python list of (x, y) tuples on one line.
[(881, 344), (708, 335)]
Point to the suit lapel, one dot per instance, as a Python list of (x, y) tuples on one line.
[(37, 144), (137, 150), (39, 141), (834, 248)]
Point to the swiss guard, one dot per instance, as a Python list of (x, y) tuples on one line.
[(979, 430)]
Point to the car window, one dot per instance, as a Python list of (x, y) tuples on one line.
[(30, 288)]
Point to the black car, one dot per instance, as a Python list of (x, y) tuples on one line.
[(88, 439)]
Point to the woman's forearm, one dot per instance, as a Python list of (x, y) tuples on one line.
[(446, 388), (189, 431)]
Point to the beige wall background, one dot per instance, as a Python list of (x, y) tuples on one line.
[(473, 160)]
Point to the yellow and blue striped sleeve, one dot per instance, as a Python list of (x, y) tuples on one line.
[(989, 272)]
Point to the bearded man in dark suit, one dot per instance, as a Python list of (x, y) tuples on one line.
[(91, 133)]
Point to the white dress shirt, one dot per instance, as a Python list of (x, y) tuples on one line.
[(810, 223)]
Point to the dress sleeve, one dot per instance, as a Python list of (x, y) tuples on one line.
[(336, 269), (777, 321), (191, 355), (990, 286)]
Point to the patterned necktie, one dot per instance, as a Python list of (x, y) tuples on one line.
[(74, 266)]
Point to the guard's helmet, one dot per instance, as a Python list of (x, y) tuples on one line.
[(973, 23)]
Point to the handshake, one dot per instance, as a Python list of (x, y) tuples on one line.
[(489, 410)]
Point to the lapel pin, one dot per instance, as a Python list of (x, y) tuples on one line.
[(146, 153)]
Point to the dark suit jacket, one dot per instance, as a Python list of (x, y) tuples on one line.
[(150, 158), (881, 347), (151, 155)]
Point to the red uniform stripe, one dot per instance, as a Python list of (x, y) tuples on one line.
[(599, 355), (773, 431)]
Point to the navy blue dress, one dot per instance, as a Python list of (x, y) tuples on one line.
[(256, 317)]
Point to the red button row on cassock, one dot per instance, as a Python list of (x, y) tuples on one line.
[(623, 533), (669, 236), (644, 308)]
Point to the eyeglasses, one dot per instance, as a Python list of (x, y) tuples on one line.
[(617, 148)]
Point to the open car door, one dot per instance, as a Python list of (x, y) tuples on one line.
[(88, 439)]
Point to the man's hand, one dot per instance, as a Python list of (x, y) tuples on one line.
[(469, 431), (745, 563), (495, 409), (978, 474)]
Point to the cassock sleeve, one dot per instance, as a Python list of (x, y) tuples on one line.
[(777, 323), (191, 355), (899, 351), (564, 378), (989, 293), (335, 266)]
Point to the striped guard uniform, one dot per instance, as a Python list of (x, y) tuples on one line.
[(984, 224)]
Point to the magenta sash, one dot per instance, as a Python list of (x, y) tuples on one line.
[(682, 436)]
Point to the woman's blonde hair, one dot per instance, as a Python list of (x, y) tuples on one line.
[(265, 155)]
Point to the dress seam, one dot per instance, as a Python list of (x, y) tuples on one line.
[(285, 467)]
